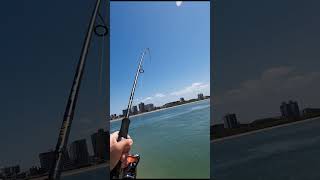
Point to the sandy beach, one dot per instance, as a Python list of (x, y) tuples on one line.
[(118, 119), (265, 129)]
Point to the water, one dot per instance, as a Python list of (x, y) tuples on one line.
[(173, 143), (290, 152), (100, 173)]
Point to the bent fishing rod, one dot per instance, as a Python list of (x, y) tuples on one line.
[(129, 172), (61, 146)]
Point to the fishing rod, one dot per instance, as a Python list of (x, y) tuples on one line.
[(61, 146), (129, 172)]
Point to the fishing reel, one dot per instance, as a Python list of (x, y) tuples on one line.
[(129, 172)]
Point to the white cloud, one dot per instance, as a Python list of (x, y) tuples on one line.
[(276, 72), (187, 92), (191, 90), (261, 97), (147, 99), (159, 95)]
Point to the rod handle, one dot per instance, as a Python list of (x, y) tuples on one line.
[(123, 133)]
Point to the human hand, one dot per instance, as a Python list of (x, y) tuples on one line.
[(119, 150)]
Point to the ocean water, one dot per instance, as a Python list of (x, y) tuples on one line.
[(290, 152), (97, 174), (172, 143)]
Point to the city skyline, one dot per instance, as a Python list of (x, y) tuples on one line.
[(75, 156), (160, 105), (179, 42), (287, 109)]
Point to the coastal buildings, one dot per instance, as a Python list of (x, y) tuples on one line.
[(230, 121), (134, 110), (200, 96), (124, 112), (290, 109), (46, 160), (78, 158), (113, 116), (289, 113), (79, 152), (307, 111), (10, 171), (141, 107), (100, 144), (149, 107)]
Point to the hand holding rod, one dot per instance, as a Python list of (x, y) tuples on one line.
[(123, 133)]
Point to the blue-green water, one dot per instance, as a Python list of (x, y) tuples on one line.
[(290, 152), (173, 143)]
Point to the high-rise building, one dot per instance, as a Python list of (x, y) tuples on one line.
[(100, 144), (46, 160), (67, 162), (124, 112), (294, 108), (149, 107), (141, 107), (290, 109), (200, 96), (230, 121), (134, 110), (10, 171), (79, 152)]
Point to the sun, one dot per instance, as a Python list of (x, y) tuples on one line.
[(178, 3)]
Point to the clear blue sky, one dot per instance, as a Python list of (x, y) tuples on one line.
[(179, 40)]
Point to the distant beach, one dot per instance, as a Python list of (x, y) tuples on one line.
[(261, 130), (118, 119)]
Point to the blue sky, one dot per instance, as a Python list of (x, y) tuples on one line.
[(40, 47), (266, 52), (179, 40)]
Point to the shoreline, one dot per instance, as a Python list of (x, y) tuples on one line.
[(264, 129), (75, 171), (86, 169), (119, 119)]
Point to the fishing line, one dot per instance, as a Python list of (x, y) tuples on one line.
[(141, 81), (101, 57), (101, 30)]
